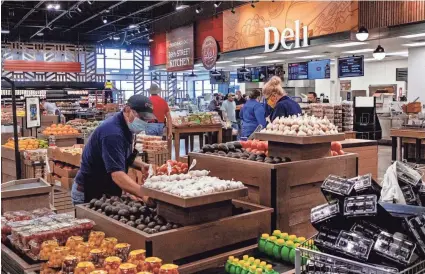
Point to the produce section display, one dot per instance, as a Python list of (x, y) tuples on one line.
[(176, 168), (246, 150), (194, 184), (84, 126), (27, 143), (60, 129), (301, 126), (354, 225), (150, 143), (194, 119), (133, 213)]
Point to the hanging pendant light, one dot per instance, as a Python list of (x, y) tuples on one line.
[(192, 74), (379, 53), (362, 34), (244, 69), (215, 72)]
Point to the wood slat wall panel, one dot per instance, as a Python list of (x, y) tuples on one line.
[(40, 66), (377, 14)]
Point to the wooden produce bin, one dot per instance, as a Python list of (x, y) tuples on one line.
[(8, 165), (64, 140), (367, 151), (14, 264), (188, 244), (26, 194), (292, 189)]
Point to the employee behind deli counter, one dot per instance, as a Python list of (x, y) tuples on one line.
[(109, 153)]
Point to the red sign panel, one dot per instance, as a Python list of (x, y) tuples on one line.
[(209, 52), (180, 47)]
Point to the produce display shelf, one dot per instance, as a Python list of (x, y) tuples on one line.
[(300, 140), (189, 244), (195, 201), (303, 252), (15, 264)]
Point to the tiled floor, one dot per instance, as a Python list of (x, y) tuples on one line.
[(384, 161)]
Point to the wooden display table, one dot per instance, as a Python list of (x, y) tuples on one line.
[(367, 151), (350, 134), (194, 130), (418, 134), (292, 189), (14, 264)]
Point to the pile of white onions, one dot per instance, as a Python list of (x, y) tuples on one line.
[(194, 184), (301, 126)]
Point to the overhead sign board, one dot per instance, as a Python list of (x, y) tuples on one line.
[(209, 52), (180, 49)]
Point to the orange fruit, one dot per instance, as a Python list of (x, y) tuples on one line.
[(53, 125), (60, 125)]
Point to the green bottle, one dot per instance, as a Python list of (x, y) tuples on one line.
[(262, 242), (300, 240), (228, 264), (292, 253), (269, 245), (252, 269), (277, 249), (239, 267), (284, 236), (232, 269), (285, 251), (245, 268), (269, 269)]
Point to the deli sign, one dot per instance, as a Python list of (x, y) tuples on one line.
[(180, 49), (283, 37)]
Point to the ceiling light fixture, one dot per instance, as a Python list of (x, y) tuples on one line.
[(358, 51), (146, 28), (78, 9), (198, 10), (150, 39), (379, 53), (104, 19), (311, 56), (398, 53), (413, 35), (223, 62), (40, 34), (57, 6), (215, 72), (217, 4), (272, 61), (244, 69), (362, 34), (415, 44), (5, 31), (132, 26), (89, 2), (181, 6), (50, 6), (240, 65), (293, 51), (116, 38), (349, 44), (192, 74)]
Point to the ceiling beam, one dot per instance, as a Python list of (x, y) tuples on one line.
[(48, 25), (28, 14), (132, 14), (95, 15)]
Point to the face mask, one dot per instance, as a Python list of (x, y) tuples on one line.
[(137, 126)]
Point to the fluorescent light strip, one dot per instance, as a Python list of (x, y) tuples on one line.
[(311, 56), (272, 61), (358, 51), (349, 44), (198, 65), (223, 62), (413, 35), (293, 51), (369, 59), (252, 57), (398, 53), (240, 65), (416, 44)]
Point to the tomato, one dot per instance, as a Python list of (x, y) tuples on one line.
[(184, 165), (163, 169), (254, 151), (174, 171), (341, 152), (334, 153), (254, 145), (184, 170), (266, 146), (261, 146), (336, 146), (249, 144), (243, 144), (248, 149)]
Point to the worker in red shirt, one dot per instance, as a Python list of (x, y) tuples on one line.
[(161, 112)]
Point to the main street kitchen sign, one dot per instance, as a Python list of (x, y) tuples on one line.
[(180, 48)]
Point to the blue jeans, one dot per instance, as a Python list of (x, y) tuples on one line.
[(76, 195), (155, 129)]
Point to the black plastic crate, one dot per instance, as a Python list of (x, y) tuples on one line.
[(367, 229), (328, 214), (361, 206), (335, 187), (354, 245), (366, 185), (396, 248)]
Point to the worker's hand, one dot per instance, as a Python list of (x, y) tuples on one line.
[(170, 135)]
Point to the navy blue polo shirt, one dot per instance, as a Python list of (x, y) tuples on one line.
[(107, 150), (285, 107)]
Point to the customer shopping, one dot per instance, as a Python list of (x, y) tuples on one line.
[(161, 111), (252, 114)]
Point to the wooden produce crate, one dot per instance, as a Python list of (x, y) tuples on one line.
[(157, 158), (33, 169), (300, 148), (8, 164), (367, 151), (25, 194), (188, 244), (15, 264), (55, 154), (64, 140), (292, 189), (61, 199)]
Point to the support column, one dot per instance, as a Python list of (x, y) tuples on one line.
[(415, 74)]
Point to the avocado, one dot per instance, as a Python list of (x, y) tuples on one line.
[(151, 224), (277, 159), (103, 206), (223, 147), (123, 212), (99, 210), (131, 223), (132, 218), (147, 230), (123, 220), (163, 228), (116, 217), (141, 227), (157, 227), (153, 230), (133, 210), (207, 148), (147, 220), (98, 204), (238, 150), (287, 160), (108, 210), (214, 146), (108, 201), (237, 145), (230, 146), (92, 202)]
